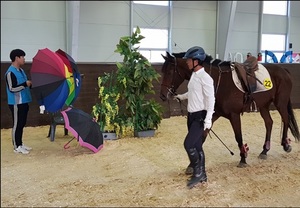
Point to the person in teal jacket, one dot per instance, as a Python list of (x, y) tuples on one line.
[(18, 97)]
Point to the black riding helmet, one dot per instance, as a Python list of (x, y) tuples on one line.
[(195, 52)]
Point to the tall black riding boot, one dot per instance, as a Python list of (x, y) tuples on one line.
[(199, 174), (190, 168), (202, 165)]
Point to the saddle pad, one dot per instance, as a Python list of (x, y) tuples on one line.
[(261, 74)]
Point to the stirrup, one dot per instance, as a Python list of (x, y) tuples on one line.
[(253, 103)]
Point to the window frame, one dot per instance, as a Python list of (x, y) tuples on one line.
[(154, 52), (275, 7), (154, 3), (278, 52)]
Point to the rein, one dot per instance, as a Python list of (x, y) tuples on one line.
[(171, 89), (220, 73), (175, 70)]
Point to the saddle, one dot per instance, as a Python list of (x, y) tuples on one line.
[(246, 73)]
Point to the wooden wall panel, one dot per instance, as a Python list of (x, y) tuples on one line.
[(89, 93)]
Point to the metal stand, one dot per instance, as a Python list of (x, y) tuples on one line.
[(56, 119)]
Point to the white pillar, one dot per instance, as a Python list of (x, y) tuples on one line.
[(170, 38), (230, 26), (131, 19), (225, 20), (72, 27)]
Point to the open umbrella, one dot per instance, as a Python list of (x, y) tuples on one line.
[(84, 128), (49, 77), (75, 82)]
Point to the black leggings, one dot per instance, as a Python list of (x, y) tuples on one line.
[(195, 124), (19, 114)]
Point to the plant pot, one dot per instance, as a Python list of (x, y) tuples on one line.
[(109, 136), (147, 133)]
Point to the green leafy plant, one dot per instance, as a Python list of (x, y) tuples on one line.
[(150, 117), (134, 81), (107, 109)]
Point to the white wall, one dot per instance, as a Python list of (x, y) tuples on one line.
[(248, 24), (295, 26), (150, 16), (245, 31), (32, 25), (102, 23), (194, 23)]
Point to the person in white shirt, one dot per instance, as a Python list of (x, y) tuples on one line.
[(201, 101)]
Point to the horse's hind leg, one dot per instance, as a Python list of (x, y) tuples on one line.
[(285, 141), (265, 114)]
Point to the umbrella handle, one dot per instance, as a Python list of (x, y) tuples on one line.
[(66, 145)]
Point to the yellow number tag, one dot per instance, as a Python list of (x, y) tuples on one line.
[(268, 83)]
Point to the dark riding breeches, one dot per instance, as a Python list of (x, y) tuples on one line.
[(195, 124)]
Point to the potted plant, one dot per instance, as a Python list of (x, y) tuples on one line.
[(148, 120), (134, 82), (106, 110)]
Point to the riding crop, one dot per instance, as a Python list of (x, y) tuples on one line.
[(222, 142), (178, 100)]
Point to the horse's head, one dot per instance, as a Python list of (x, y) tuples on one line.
[(174, 72)]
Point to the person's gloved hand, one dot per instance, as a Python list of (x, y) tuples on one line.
[(178, 97), (42, 109), (207, 125), (29, 83), (208, 120)]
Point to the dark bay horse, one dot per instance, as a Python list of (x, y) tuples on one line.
[(230, 101)]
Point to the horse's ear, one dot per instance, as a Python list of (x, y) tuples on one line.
[(208, 58), (168, 54), (164, 57)]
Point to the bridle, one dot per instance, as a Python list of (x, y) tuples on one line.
[(171, 88)]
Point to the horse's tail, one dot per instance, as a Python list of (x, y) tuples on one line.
[(293, 126)]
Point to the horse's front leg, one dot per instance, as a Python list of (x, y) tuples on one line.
[(235, 121), (265, 114)]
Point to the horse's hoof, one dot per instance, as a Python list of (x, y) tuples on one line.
[(287, 148), (242, 165), (263, 156)]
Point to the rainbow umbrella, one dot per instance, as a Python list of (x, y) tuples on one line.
[(49, 80), (74, 82)]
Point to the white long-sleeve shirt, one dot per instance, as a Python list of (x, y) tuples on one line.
[(200, 94)]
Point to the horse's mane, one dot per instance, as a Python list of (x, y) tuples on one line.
[(208, 60), (179, 55)]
